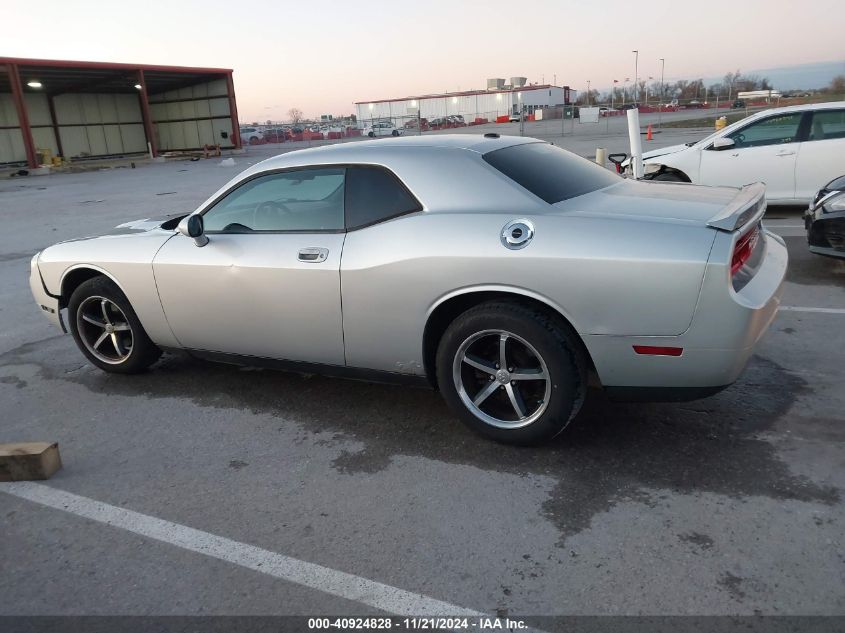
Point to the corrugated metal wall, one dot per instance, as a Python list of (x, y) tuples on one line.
[(191, 117), (97, 124), (11, 142)]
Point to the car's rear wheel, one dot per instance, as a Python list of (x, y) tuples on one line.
[(512, 373), (395, 132), (371, 134), (107, 330)]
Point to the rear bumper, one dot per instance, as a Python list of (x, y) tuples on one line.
[(48, 304), (718, 344)]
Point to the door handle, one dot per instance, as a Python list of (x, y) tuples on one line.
[(785, 154), (313, 254)]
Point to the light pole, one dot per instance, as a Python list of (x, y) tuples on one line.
[(660, 101), (636, 85), (588, 93)]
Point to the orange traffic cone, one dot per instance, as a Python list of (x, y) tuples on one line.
[(649, 136)]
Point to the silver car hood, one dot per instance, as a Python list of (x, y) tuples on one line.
[(134, 227), (654, 201), (147, 224)]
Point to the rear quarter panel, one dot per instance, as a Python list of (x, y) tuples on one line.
[(606, 276)]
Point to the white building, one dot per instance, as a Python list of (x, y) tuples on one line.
[(487, 104)]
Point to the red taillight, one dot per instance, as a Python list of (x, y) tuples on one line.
[(652, 350), (743, 249)]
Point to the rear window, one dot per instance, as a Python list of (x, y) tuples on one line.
[(550, 172)]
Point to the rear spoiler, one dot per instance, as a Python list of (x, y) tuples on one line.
[(747, 206)]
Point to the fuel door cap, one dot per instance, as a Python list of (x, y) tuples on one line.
[(517, 234)]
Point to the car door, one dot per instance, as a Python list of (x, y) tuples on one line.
[(766, 150), (375, 332), (822, 156), (267, 283)]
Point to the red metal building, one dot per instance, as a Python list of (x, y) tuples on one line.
[(80, 110)]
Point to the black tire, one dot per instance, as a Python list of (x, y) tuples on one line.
[(552, 340), (140, 353), (371, 134), (669, 176), (395, 133)]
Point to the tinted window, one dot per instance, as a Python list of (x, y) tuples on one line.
[(374, 194), (827, 125), (302, 200), (773, 131), (550, 172)]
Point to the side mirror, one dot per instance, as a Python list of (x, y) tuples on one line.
[(723, 143), (192, 227)]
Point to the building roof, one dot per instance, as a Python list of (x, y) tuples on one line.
[(59, 76), (467, 93)]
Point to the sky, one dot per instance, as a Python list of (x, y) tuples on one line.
[(321, 57)]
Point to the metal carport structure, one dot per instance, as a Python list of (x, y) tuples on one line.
[(81, 110)]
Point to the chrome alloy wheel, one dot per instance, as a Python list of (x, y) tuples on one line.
[(501, 379), (104, 330)]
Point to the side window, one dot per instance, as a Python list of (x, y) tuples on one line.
[(827, 125), (301, 200), (373, 195), (772, 131)]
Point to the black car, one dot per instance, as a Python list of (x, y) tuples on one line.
[(825, 220), (739, 103)]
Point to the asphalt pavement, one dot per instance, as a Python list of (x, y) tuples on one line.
[(724, 506)]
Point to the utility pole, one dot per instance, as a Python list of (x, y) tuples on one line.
[(636, 84), (662, 92), (588, 93)]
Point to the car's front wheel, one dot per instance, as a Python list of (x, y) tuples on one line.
[(107, 330), (511, 372), (371, 134)]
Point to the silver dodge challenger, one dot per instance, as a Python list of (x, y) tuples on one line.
[(504, 271)]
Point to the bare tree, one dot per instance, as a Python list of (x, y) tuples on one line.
[(295, 115), (837, 85)]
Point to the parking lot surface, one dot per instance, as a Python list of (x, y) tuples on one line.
[(729, 505)]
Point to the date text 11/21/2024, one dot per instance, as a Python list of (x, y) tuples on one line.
[(481, 623)]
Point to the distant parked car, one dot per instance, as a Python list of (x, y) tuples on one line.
[(382, 128), (515, 117), (275, 135), (456, 120), (629, 106), (411, 124), (438, 122), (251, 134), (795, 150), (695, 103), (739, 103), (825, 220)]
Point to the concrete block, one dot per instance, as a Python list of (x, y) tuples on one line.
[(29, 460)]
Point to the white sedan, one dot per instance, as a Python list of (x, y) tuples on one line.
[(382, 128), (795, 150)]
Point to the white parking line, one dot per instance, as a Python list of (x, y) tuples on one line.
[(337, 583), (819, 310)]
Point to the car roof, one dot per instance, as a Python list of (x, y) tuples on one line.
[(828, 105), (338, 152)]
